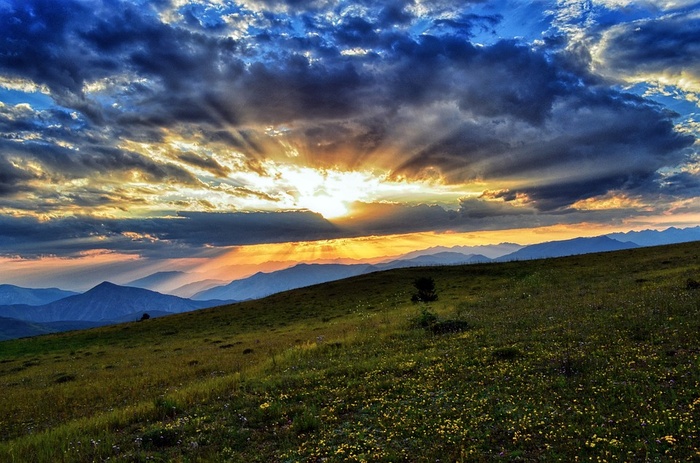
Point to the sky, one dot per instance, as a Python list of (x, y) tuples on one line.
[(224, 137)]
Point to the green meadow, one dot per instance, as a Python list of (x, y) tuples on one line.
[(585, 358)]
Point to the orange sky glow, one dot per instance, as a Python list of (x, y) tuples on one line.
[(242, 261)]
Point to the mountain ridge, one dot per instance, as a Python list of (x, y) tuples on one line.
[(570, 247), (104, 302), (12, 295)]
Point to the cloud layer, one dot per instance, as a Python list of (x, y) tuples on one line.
[(141, 126)]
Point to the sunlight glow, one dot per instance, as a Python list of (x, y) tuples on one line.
[(333, 193), (327, 192)]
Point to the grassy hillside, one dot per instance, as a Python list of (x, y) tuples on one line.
[(591, 357)]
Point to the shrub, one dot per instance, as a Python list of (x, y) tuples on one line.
[(161, 437), (506, 353), (426, 319), (307, 421), (450, 326), (64, 378), (166, 408), (426, 290)]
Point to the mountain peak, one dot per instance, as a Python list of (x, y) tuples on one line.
[(105, 285), (109, 288)]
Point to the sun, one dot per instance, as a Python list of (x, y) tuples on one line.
[(328, 206), (336, 194), (328, 192)]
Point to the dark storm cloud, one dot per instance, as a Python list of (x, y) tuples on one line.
[(668, 44), (473, 214), (681, 184), (202, 233), (203, 78), (196, 228), (62, 163), (595, 141), (36, 43), (186, 235), (12, 179), (298, 90)]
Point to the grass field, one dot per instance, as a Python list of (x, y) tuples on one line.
[(586, 358)]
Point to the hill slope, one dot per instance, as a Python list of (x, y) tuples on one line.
[(589, 357), (12, 328)]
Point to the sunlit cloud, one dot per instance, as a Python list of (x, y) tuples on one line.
[(610, 201), (659, 52)]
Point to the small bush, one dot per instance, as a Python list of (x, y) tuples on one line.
[(506, 353), (426, 319), (426, 290), (307, 421), (166, 408), (64, 378), (161, 437), (692, 284), (449, 326), (569, 366)]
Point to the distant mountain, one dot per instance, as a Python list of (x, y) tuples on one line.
[(154, 280), (105, 302), (299, 276), (190, 289), (491, 251), (175, 283), (440, 258), (11, 294), (656, 238), (567, 248)]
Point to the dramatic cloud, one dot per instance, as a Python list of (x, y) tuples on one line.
[(145, 126), (660, 51), (187, 234)]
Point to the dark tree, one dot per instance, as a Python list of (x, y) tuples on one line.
[(145, 316), (426, 290)]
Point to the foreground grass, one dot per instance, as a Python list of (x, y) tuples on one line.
[(590, 358)]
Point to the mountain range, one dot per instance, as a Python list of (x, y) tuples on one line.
[(568, 248), (27, 312), (655, 237), (11, 294), (106, 303)]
